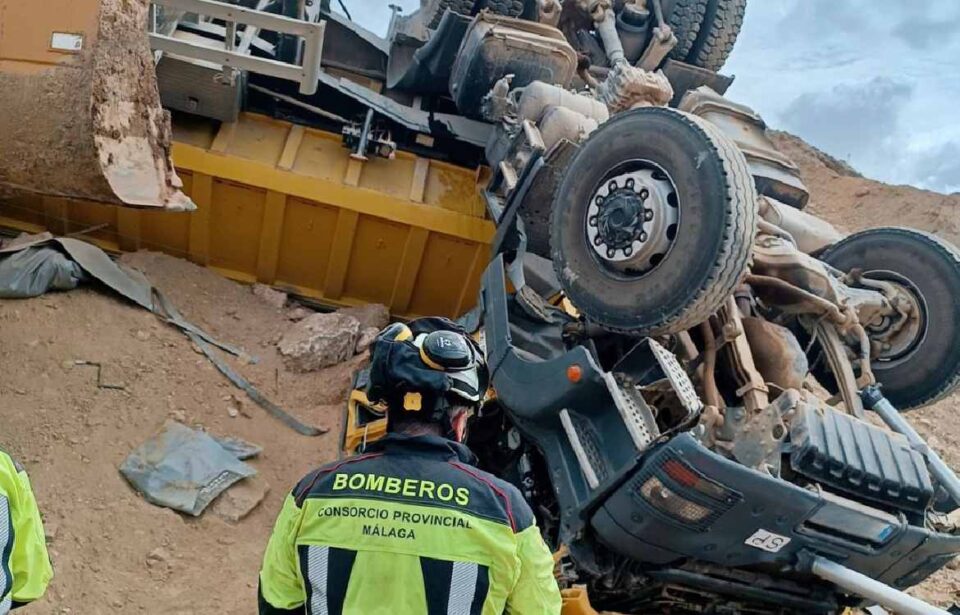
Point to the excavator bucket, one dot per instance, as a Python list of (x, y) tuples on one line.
[(81, 111)]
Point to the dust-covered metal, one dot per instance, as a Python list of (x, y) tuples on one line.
[(633, 217)]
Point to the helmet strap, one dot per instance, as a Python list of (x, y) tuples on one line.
[(458, 426)]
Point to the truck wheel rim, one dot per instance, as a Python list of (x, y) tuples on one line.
[(633, 217)]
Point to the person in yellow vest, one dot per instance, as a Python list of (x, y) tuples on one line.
[(26, 569), (411, 526)]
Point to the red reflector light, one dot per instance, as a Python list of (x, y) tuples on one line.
[(574, 373), (681, 473), (686, 477)]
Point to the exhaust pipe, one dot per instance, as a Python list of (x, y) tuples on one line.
[(864, 586)]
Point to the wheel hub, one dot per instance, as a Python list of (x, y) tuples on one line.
[(633, 218), (621, 218), (896, 335)]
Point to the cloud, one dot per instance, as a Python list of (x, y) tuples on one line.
[(922, 32), (851, 121), (871, 81), (939, 168)]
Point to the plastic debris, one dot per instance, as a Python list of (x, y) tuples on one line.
[(34, 271), (183, 469), (239, 448)]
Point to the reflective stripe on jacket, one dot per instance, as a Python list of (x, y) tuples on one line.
[(408, 528), (24, 563)]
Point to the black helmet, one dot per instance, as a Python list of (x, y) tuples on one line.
[(425, 367)]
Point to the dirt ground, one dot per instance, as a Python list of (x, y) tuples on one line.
[(112, 551)]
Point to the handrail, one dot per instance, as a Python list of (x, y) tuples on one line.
[(307, 74)]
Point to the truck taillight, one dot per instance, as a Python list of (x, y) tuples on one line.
[(674, 488), (667, 501)]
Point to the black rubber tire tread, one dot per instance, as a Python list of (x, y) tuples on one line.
[(932, 371), (508, 8), (686, 19), (434, 10), (718, 34), (728, 260)]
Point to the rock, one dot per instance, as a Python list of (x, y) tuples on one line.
[(178, 415), (319, 341), (370, 315), (862, 192), (143, 335), (50, 531), (235, 406), (158, 556), (299, 313), (366, 338), (275, 298), (240, 500)]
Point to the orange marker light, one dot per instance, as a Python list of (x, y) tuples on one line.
[(574, 373)]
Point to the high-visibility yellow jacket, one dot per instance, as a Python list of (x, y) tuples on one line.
[(26, 570), (408, 528)]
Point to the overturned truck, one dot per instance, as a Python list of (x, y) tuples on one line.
[(683, 359)]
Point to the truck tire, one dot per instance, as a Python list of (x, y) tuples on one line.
[(433, 10), (718, 33), (508, 8), (926, 368), (653, 224), (686, 19)]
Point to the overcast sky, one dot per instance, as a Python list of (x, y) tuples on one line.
[(874, 82)]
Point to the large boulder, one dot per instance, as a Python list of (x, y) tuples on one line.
[(319, 341)]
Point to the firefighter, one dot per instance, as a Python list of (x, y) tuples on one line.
[(23, 547), (411, 526)]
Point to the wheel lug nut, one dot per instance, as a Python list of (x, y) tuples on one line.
[(592, 221), (643, 236), (628, 251), (612, 185), (644, 193), (611, 252), (648, 215), (599, 201), (598, 240)]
